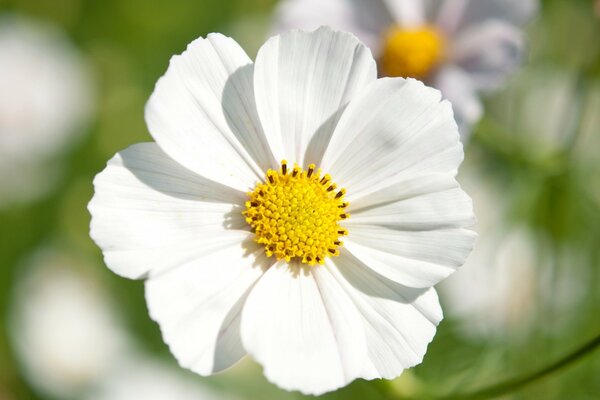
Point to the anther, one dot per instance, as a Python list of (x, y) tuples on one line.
[(283, 167), (311, 169), (340, 194)]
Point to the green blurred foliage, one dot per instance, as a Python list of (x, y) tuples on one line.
[(557, 193)]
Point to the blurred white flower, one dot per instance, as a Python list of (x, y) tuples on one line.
[(71, 344), (62, 325), (495, 292), (462, 47), (45, 99), (244, 254), (142, 377)]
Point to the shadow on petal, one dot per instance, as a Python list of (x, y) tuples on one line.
[(239, 109), (373, 284), (175, 180)]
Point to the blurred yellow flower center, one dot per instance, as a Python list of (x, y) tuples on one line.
[(411, 52), (295, 214)]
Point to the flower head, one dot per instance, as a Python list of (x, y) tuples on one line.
[(297, 209), (461, 47)]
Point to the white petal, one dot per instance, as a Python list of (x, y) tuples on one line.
[(303, 81), (433, 203), (450, 15), (367, 19), (302, 327), (399, 322), (150, 214), (198, 305), (488, 52), (407, 13), (516, 12), (395, 129), (411, 258), (202, 113), (458, 87), (411, 232)]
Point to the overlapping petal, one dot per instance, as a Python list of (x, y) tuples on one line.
[(303, 81), (398, 321), (302, 327), (202, 113), (150, 214), (400, 231), (394, 129), (198, 305)]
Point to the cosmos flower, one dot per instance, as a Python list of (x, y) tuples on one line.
[(297, 209), (46, 100), (461, 47)]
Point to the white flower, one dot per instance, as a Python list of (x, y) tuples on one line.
[(243, 254), (64, 331), (461, 47), (46, 98)]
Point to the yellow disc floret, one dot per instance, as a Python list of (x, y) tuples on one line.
[(295, 214), (411, 52)]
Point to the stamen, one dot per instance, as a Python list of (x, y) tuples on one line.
[(296, 215)]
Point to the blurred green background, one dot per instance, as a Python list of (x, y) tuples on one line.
[(533, 161)]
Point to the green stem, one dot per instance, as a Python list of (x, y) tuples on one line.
[(513, 384)]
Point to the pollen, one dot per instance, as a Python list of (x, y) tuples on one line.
[(295, 214), (411, 52)]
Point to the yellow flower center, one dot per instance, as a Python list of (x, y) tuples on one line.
[(411, 52), (295, 214)]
